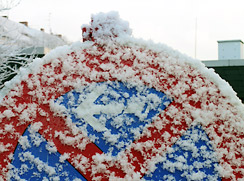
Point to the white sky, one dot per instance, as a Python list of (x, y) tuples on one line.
[(170, 22)]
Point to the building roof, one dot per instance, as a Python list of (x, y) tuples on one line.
[(224, 63), (228, 41), (22, 36)]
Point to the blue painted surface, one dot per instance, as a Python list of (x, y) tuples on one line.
[(35, 162), (124, 94), (191, 158)]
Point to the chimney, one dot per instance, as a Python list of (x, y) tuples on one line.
[(24, 23), (59, 35), (230, 50)]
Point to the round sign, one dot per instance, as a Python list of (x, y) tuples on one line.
[(119, 108)]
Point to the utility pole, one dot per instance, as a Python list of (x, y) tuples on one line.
[(49, 23), (196, 38)]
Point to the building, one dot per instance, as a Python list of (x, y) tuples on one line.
[(230, 64)]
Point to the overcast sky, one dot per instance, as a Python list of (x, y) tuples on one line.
[(171, 22)]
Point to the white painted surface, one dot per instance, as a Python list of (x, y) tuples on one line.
[(231, 49)]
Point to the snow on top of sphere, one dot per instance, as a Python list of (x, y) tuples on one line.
[(105, 26)]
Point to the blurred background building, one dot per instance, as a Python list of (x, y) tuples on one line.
[(230, 64)]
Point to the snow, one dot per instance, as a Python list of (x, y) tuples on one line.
[(41, 166), (106, 26), (110, 53), (23, 141)]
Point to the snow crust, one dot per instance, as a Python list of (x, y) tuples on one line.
[(113, 54)]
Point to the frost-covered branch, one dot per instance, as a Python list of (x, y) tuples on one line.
[(11, 56), (9, 51), (10, 61), (15, 39), (6, 5)]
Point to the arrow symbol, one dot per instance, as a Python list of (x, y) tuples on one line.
[(87, 109), (136, 104)]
